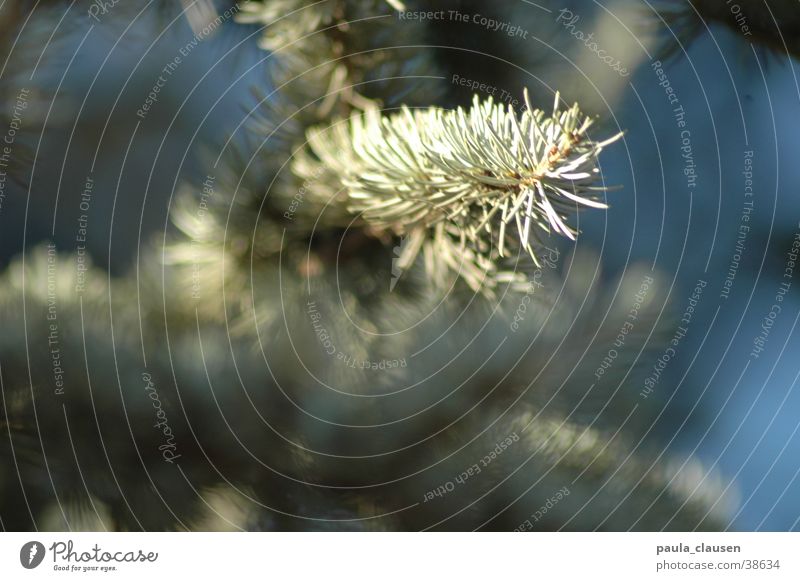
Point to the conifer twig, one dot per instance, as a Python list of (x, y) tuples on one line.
[(487, 180)]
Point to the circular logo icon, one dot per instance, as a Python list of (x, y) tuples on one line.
[(31, 554)]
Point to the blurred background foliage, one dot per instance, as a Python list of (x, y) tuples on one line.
[(202, 297)]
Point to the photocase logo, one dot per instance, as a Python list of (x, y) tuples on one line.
[(31, 554)]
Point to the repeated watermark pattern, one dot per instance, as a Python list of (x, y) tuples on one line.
[(679, 115), (671, 351), (568, 19), (207, 192), (6, 147), (473, 470), (169, 69), (53, 333), (768, 322), (553, 500), (81, 254), (491, 24), (626, 328), (744, 226), (549, 261), (168, 448), (329, 347)]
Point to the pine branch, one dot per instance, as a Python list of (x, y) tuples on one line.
[(478, 185)]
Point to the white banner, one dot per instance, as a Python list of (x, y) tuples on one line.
[(401, 556)]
